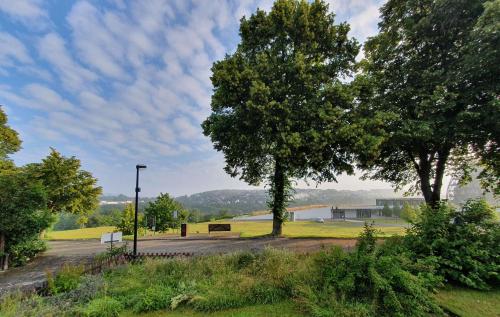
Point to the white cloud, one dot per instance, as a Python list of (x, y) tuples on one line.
[(36, 96), (27, 9), (94, 42), (46, 98), (52, 48), (135, 81), (12, 51), (362, 15)]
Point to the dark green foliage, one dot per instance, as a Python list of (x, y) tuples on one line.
[(422, 105), (23, 215), (370, 284), (23, 250), (162, 211), (9, 141), (386, 211), (69, 188), (465, 244), (126, 224), (278, 100), (367, 239)]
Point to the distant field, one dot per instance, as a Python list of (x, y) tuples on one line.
[(86, 233), (299, 229)]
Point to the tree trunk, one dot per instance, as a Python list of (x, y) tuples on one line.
[(432, 194), (438, 179), (2, 242), (278, 196)]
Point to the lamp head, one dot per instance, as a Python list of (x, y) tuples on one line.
[(138, 166)]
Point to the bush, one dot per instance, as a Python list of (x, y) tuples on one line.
[(67, 279), (153, 298), (363, 282), (103, 307), (465, 245), (25, 250)]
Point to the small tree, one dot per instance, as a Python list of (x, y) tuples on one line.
[(162, 209), (278, 102), (23, 215), (396, 211), (127, 220), (387, 211), (410, 213)]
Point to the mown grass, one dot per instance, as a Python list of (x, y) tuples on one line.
[(470, 303), (85, 233), (249, 229)]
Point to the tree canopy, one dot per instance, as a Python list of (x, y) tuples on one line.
[(422, 102), (9, 142), (69, 188), (279, 99), (162, 210)]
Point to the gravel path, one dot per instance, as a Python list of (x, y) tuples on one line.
[(82, 251)]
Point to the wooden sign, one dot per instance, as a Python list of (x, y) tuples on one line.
[(219, 227)]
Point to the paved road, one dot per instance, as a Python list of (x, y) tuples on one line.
[(82, 251)]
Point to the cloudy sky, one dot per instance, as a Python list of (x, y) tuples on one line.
[(116, 83)]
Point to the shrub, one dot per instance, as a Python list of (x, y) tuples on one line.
[(362, 281), (153, 298), (465, 244), (103, 307), (67, 279), (23, 251)]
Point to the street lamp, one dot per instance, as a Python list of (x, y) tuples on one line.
[(137, 190)]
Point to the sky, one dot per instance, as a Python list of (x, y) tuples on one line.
[(116, 83)]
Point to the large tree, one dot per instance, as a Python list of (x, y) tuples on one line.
[(481, 70), (419, 111), (278, 100), (69, 188)]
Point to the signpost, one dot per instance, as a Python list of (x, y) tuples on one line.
[(111, 237)]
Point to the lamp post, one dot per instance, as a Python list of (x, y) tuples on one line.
[(137, 190)]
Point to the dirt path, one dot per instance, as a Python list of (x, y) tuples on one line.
[(81, 251)]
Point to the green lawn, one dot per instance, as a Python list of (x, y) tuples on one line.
[(466, 302), (247, 229), (275, 310), (86, 233)]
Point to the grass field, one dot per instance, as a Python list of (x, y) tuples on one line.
[(86, 233), (247, 229), (470, 303)]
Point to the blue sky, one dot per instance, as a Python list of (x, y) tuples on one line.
[(116, 83)]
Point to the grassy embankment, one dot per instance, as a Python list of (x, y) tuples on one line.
[(274, 283), (249, 229), (460, 301)]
